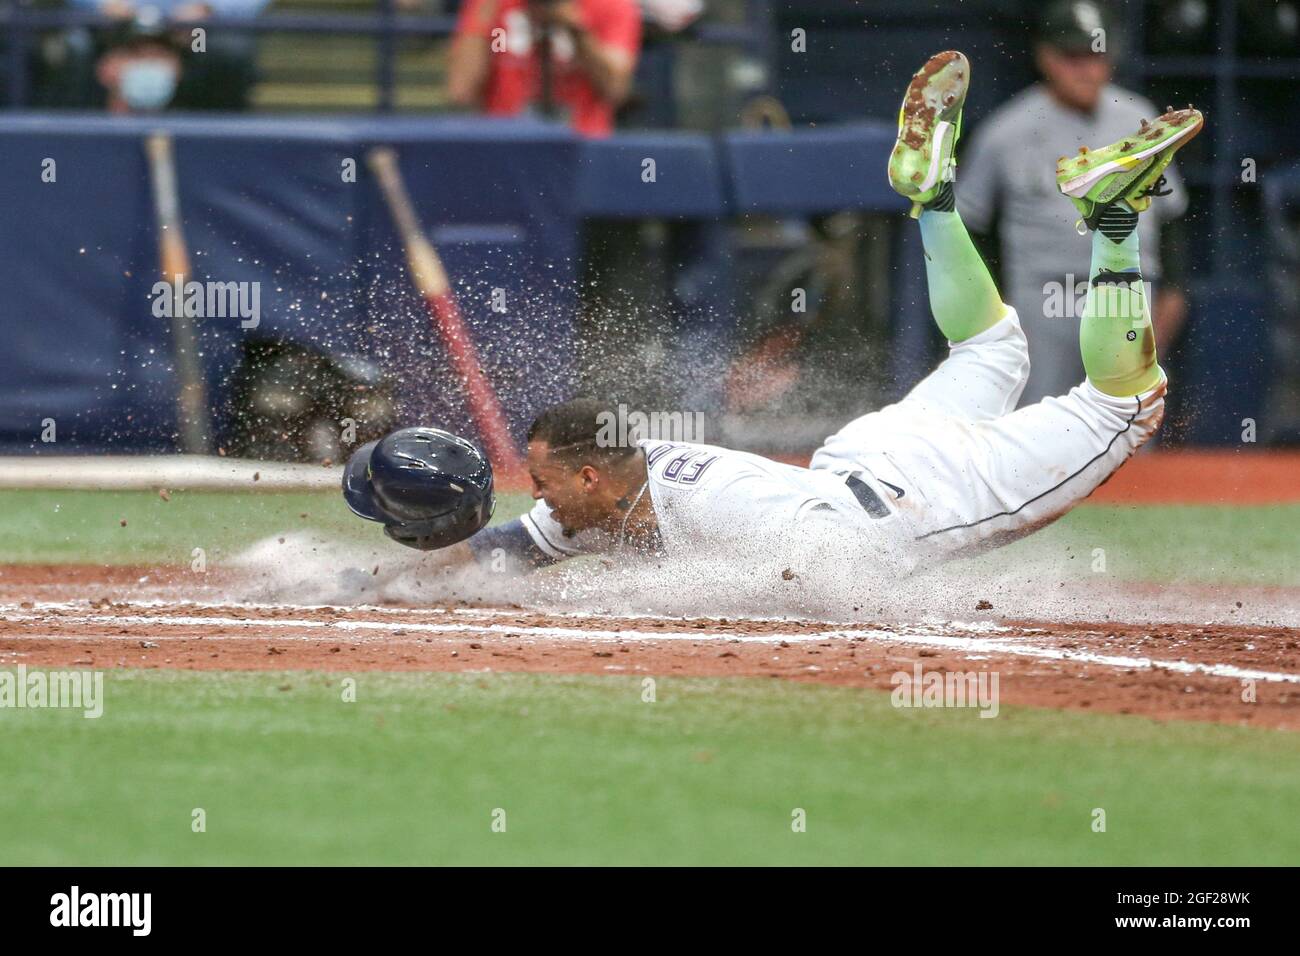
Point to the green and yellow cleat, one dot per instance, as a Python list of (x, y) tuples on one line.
[(929, 124), (1130, 170)]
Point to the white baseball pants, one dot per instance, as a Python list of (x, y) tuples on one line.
[(972, 472)]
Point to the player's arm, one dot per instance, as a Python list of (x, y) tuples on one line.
[(508, 546), (452, 558), (468, 64), (502, 547), (531, 541)]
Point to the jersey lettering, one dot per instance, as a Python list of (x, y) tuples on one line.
[(658, 453), (687, 467)]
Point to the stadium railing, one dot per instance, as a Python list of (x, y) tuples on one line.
[(22, 22)]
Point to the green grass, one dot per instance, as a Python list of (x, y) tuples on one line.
[(86, 526), (587, 772), (1204, 544)]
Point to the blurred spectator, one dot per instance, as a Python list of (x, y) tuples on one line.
[(500, 63), (175, 11), (1007, 180), (141, 67), (220, 75)]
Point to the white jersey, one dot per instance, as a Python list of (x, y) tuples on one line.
[(716, 502), (721, 502), (947, 470)]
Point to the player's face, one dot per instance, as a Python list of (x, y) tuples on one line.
[(578, 499), (1077, 79)]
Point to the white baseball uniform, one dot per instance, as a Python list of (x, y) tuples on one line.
[(948, 469)]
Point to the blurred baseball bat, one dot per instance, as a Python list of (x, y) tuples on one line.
[(174, 259), (431, 280)]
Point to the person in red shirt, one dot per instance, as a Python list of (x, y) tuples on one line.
[(496, 62)]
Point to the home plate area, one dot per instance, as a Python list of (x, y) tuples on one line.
[(1226, 673)]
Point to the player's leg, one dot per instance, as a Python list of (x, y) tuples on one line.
[(1028, 468), (1110, 187), (988, 365), (991, 482), (988, 361), (963, 297), (1116, 338)]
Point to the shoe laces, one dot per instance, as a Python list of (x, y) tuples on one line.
[(1160, 187)]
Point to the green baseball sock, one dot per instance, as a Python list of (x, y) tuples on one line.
[(1115, 336), (963, 298)]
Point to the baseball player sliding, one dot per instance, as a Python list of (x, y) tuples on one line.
[(949, 469)]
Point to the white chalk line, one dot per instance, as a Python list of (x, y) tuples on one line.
[(12, 610), (986, 627), (964, 645), (164, 604)]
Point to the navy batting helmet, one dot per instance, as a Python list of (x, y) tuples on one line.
[(430, 488)]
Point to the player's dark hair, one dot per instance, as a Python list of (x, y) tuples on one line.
[(573, 430)]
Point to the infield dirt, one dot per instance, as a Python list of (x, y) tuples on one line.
[(129, 617)]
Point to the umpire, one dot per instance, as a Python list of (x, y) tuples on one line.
[(1006, 180)]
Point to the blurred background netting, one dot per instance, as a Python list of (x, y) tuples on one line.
[(758, 271)]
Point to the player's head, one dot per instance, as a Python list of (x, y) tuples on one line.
[(579, 468), (1072, 52), (430, 488)]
